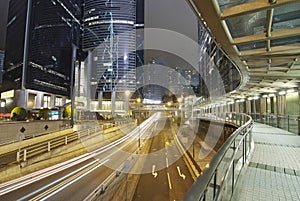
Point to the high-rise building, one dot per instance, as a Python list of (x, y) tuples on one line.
[(109, 34), (45, 37), (42, 38), (108, 76)]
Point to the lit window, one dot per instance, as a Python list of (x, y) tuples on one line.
[(58, 101), (46, 101)]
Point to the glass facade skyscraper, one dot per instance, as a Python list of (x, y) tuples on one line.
[(109, 33), (55, 28), (43, 34), (44, 39)]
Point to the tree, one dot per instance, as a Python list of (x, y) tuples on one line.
[(67, 112), (45, 113), (18, 114)]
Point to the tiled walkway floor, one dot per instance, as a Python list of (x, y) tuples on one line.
[(274, 170)]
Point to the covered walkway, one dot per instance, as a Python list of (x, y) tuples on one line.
[(274, 169)]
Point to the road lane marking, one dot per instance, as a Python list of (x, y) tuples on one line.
[(167, 162), (64, 184), (154, 173), (169, 180), (180, 174)]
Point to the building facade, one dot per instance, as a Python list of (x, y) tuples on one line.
[(42, 38), (108, 75), (50, 44), (109, 34)]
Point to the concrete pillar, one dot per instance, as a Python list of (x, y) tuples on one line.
[(88, 80), (254, 106), (52, 101), (26, 48), (113, 103), (21, 98), (248, 107), (126, 103), (100, 99), (39, 99)]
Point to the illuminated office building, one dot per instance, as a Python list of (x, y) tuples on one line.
[(109, 72), (41, 38), (109, 35)]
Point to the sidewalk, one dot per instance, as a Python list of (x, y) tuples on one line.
[(274, 170)]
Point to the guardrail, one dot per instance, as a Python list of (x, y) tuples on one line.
[(122, 169), (219, 180), (290, 123), (21, 136), (24, 153)]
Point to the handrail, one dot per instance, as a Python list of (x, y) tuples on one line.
[(290, 123), (212, 186)]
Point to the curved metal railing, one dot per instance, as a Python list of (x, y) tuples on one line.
[(219, 180)]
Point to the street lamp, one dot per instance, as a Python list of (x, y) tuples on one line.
[(139, 100), (3, 103)]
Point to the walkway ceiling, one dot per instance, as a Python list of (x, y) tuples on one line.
[(261, 36)]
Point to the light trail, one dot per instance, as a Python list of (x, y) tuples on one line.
[(41, 174)]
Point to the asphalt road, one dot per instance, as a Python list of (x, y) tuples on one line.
[(77, 186), (168, 180), (169, 184)]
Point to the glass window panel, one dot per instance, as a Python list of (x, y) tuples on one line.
[(280, 65), (286, 41), (230, 3), (256, 67), (58, 101), (251, 46), (46, 101), (250, 24), (287, 16)]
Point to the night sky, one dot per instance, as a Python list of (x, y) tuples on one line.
[(168, 14)]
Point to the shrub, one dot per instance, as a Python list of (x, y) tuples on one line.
[(18, 114), (45, 113), (67, 112)]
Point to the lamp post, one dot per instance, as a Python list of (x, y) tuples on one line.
[(138, 100), (3, 105)]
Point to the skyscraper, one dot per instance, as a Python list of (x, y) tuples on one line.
[(109, 73), (44, 38), (109, 31), (40, 43)]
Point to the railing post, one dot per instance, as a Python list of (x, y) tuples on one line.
[(241, 119), (298, 125), (288, 118), (25, 155), (66, 139), (246, 151), (204, 196), (215, 184), (243, 152), (232, 182), (49, 146), (18, 156)]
